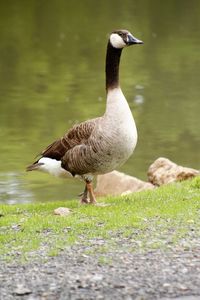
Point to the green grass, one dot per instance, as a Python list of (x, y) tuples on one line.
[(150, 219)]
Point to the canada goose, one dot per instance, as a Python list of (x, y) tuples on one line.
[(99, 145)]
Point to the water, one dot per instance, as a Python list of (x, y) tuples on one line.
[(52, 75)]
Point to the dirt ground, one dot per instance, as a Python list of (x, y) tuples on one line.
[(172, 273)]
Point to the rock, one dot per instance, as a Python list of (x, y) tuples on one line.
[(22, 290), (163, 171), (183, 287), (97, 277), (117, 183), (166, 285), (182, 298), (119, 285), (62, 211)]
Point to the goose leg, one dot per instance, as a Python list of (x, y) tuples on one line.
[(84, 198), (91, 192)]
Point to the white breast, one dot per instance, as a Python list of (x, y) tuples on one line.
[(120, 129), (120, 117)]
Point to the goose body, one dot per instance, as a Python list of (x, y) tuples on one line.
[(102, 144)]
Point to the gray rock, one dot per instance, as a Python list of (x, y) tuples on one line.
[(22, 290), (183, 298)]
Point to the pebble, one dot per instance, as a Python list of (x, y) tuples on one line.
[(97, 277), (62, 211), (22, 290), (183, 298)]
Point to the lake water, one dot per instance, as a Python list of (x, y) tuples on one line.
[(52, 56)]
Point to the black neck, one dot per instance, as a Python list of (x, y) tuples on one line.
[(112, 66)]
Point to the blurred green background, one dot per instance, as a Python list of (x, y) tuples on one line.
[(52, 56)]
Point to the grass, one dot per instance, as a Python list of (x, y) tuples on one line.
[(149, 219)]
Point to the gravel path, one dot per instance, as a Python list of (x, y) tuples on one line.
[(117, 274)]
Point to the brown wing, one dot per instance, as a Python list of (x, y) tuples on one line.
[(77, 135), (81, 159)]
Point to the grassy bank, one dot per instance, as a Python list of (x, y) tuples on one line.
[(149, 219)]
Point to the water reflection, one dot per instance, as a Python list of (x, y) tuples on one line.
[(12, 189), (52, 76)]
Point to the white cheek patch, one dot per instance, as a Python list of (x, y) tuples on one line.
[(116, 41)]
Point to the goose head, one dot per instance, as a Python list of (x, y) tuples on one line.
[(123, 38)]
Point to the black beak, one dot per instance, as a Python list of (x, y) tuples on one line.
[(132, 40)]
